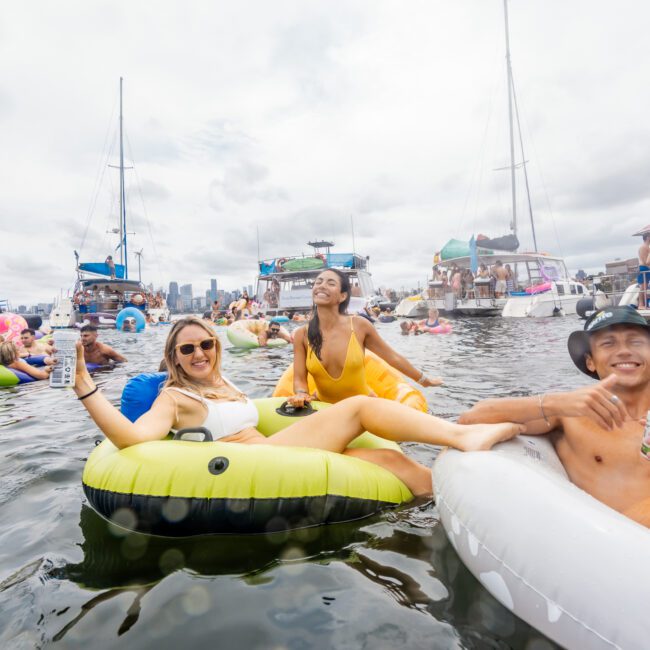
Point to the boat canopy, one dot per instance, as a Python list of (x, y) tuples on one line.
[(484, 246), (100, 268), (312, 263)]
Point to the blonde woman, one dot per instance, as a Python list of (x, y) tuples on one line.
[(197, 394), (10, 358)]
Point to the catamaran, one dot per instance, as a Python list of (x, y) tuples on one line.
[(102, 289), (540, 284)]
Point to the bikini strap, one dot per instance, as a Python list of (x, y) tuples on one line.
[(186, 392)]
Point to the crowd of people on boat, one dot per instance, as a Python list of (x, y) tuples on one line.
[(498, 281)]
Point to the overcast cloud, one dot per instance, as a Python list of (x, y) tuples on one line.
[(291, 118)]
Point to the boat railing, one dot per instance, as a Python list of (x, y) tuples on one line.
[(615, 289)]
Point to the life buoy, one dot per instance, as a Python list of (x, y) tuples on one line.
[(320, 256), (279, 263)]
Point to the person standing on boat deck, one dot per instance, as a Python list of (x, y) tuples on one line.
[(197, 394), (96, 352), (500, 276), (510, 279), (596, 430), (332, 347), (644, 270), (111, 266)]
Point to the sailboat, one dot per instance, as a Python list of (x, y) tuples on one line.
[(103, 289), (540, 283)]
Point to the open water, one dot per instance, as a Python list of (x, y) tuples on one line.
[(67, 580)]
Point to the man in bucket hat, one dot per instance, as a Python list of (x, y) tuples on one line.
[(596, 430)]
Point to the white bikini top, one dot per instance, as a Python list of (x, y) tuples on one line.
[(225, 418)]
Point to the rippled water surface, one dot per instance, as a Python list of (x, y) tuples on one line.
[(68, 581)]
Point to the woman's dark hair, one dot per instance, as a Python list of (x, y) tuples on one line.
[(314, 335)]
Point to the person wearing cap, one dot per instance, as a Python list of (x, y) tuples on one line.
[(597, 429)]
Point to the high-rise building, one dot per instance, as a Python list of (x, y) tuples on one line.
[(213, 289), (172, 296), (186, 296)]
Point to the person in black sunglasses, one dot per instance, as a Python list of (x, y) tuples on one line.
[(273, 331)]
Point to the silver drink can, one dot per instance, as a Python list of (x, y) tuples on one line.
[(645, 441)]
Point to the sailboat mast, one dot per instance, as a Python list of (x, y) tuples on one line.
[(511, 125), (123, 250)]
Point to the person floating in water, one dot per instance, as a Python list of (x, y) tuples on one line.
[(9, 358), (434, 320), (96, 352), (596, 430), (197, 394), (33, 347), (272, 332), (332, 347)]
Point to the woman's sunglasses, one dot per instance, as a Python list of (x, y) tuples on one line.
[(188, 348)]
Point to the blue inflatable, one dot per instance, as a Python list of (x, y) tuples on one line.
[(130, 312), (140, 393), (279, 319), (36, 360)]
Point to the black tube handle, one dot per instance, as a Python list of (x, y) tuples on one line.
[(207, 434), (291, 411)]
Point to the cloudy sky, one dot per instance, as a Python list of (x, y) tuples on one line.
[(295, 117)]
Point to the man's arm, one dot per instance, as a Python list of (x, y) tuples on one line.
[(108, 351), (542, 413)]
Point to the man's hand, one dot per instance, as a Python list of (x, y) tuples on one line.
[(597, 402)]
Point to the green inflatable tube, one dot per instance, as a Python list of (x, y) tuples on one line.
[(8, 378), (177, 488)]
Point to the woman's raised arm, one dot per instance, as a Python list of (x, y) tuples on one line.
[(153, 425)]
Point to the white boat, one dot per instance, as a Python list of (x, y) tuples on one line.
[(413, 307), (542, 285), (559, 559), (285, 283)]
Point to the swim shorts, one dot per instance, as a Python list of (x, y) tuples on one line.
[(500, 286), (644, 274)]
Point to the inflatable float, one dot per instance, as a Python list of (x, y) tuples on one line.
[(130, 312), (382, 379), (387, 319), (11, 377), (243, 334), (561, 560), (179, 488), (443, 328), (11, 325)]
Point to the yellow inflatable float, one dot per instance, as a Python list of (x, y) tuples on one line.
[(382, 379)]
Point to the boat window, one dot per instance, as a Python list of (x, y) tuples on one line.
[(560, 289), (573, 288), (581, 289)]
